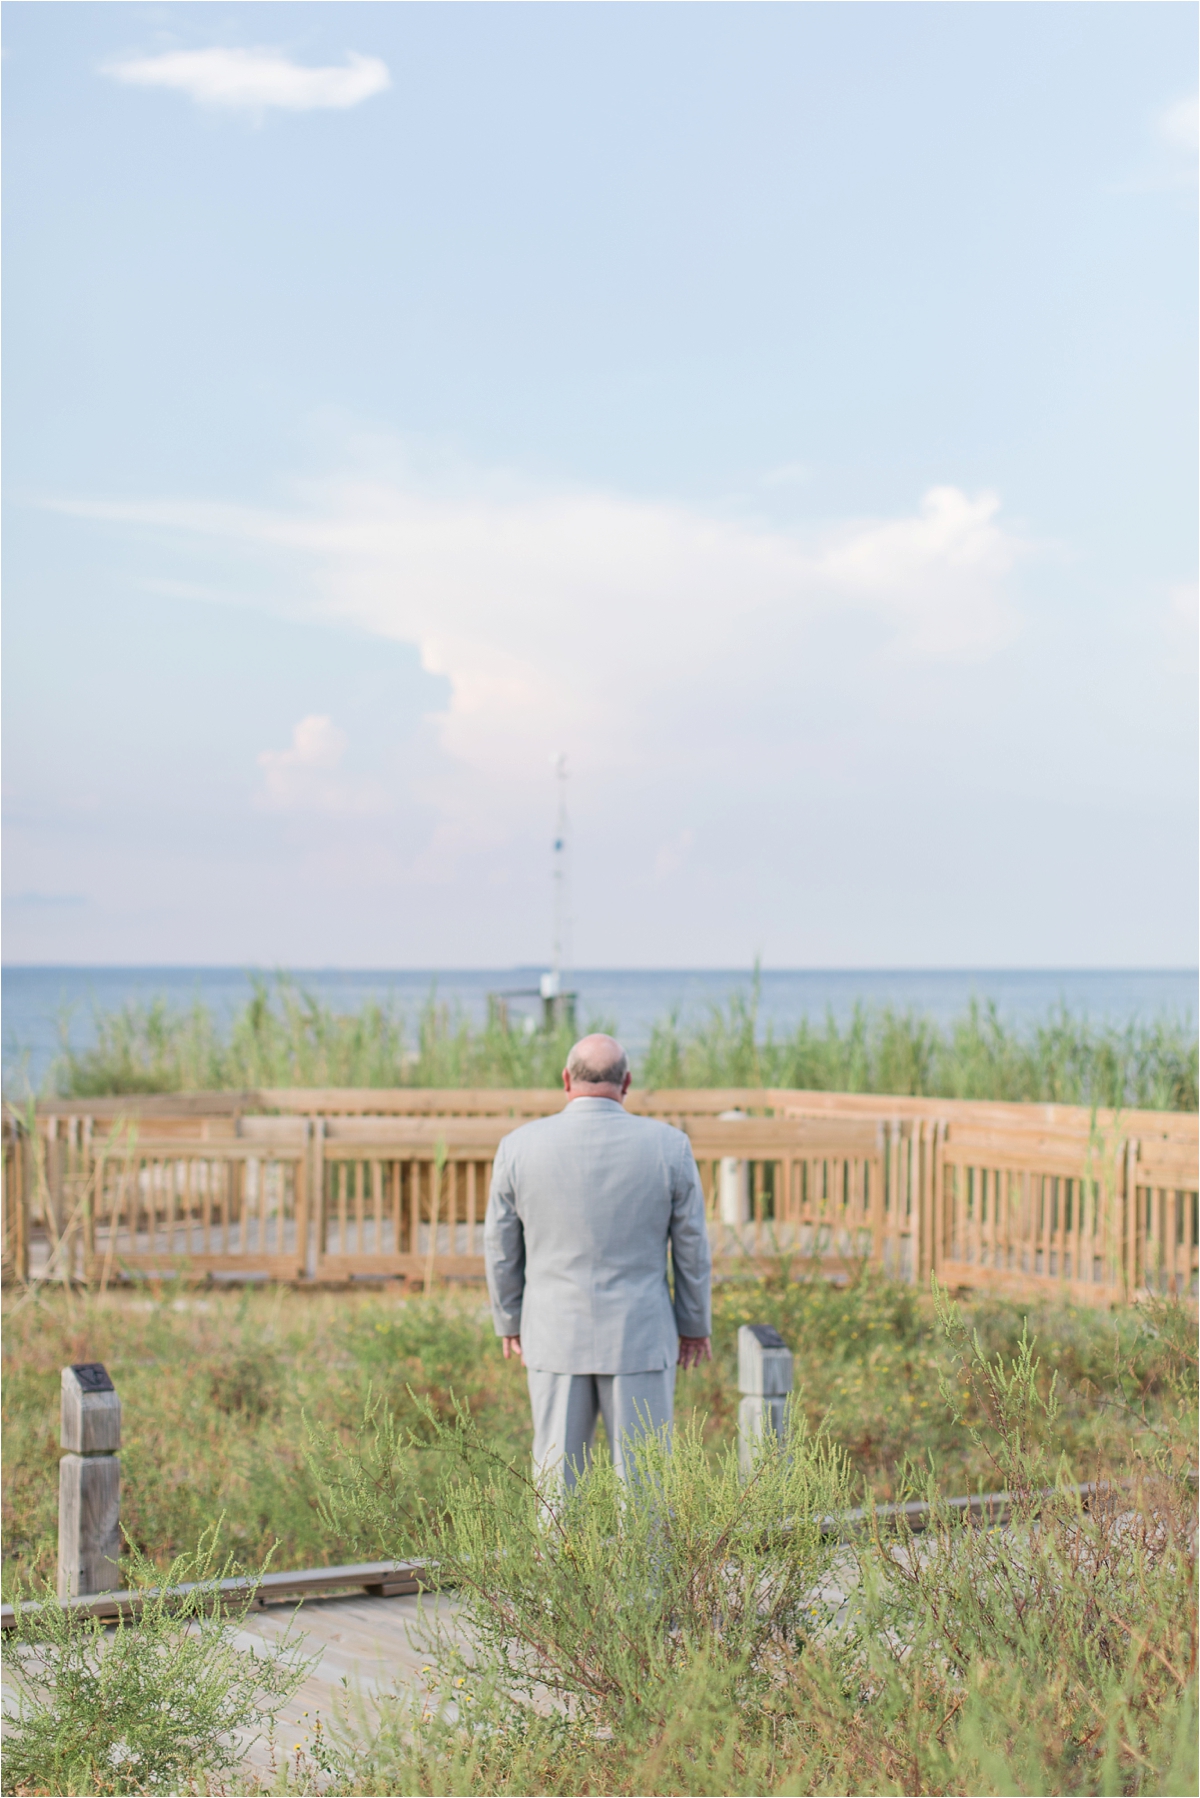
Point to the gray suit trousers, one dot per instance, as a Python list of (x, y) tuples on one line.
[(566, 1407)]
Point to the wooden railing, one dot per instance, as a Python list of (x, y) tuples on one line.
[(317, 1186)]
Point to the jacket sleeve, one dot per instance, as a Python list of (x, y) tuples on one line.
[(690, 1253), (504, 1249)]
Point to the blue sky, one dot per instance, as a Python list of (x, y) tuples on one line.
[(787, 411)]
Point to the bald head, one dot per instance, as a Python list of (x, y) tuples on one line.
[(597, 1068)]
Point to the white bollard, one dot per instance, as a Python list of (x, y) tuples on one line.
[(89, 1483), (734, 1186), (765, 1371)]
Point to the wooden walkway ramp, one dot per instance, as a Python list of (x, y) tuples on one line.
[(366, 1647)]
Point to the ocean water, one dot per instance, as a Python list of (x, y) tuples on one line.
[(39, 1003)]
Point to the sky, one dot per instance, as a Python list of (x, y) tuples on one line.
[(786, 412)]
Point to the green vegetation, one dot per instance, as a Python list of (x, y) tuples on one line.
[(719, 1652), (713, 1654), (154, 1706), (1065, 1060), (285, 1037), (218, 1394), (221, 1393)]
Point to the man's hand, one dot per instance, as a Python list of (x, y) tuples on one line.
[(693, 1350), (512, 1348)]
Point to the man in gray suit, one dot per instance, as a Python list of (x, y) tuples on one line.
[(582, 1208)]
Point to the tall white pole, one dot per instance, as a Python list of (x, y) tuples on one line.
[(561, 873)]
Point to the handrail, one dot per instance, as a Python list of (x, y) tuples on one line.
[(1013, 1197)]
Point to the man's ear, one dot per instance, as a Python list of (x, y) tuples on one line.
[(566, 1081), (626, 1084)]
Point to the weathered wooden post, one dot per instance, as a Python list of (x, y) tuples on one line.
[(89, 1483), (764, 1379)]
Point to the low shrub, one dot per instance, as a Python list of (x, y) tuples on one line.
[(676, 1639), (164, 1702), (219, 1391)]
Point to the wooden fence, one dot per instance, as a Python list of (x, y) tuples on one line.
[(330, 1186)]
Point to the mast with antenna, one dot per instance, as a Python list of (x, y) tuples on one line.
[(557, 1002)]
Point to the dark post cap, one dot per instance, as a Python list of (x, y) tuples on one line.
[(768, 1336), (92, 1376)]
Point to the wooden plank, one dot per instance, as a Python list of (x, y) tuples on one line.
[(461, 1137), (745, 1138), (205, 1174), (413, 1268), (172, 1206), (938, 1202), (174, 1108), (344, 1103), (317, 1197), (1079, 1120), (1016, 1284), (1157, 1166), (290, 1133), (155, 1105), (382, 1577), (359, 1169), (414, 1207), (300, 1205), (1067, 1166), (251, 1265), (238, 1185), (1068, 1154), (472, 1200), (396, 1175)]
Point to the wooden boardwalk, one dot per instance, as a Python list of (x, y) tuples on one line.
[(367, 1647)]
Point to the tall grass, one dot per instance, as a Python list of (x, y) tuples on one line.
[(676, 1642), (220, 1392), (698, 1634), (284, 1036), (1063, 1060)]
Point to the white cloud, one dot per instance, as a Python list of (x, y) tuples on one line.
[(672, 855), (301, 778), (637, 633), (938, 576), (251, 80), (1182, 619), (1179, 125)]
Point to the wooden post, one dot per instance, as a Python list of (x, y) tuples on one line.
[(764, 1379), (16, 1208), (89, 1483), (314, 1209), (937, 1240)]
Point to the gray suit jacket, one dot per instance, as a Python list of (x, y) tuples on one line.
[(581, 1210)]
